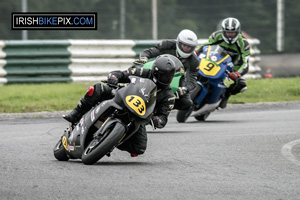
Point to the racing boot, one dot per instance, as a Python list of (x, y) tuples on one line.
[(76, 114), (223, 103)]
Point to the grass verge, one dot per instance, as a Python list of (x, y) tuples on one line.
[(21, 98)]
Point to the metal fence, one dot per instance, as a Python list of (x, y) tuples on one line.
[(132, 19)]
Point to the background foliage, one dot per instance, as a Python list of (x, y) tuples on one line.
[(258, 19)]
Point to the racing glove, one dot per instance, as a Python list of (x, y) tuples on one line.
[(234, 75), (112, 79), (182, 90), (141, 60), (157, 122)]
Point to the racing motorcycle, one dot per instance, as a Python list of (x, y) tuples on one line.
[(109, 124), (215, 65)]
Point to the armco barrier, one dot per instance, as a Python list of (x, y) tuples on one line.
[(35, 61), (2, 64), (41, 61), (254, 69)]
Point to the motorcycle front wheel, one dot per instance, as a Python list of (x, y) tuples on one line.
[(202, 117), (100, 147), (183, 115)]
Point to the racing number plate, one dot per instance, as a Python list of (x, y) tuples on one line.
[(209, 68), (137, 104)]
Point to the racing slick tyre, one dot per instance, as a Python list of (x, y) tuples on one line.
[(99, 147)]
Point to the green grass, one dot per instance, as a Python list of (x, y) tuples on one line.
[(269, 90), (19, 98)]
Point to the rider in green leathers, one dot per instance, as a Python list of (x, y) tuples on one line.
[(232, 40)]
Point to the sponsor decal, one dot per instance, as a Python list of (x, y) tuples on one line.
[(93, 115), (133, 80), (143, 91), (71, 148), (81, 121), (214, 58), (202, 55)]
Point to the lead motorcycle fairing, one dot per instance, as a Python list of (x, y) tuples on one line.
[(215, 64), (109, 124)]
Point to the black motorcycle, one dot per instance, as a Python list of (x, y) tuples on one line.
[(108, 124)]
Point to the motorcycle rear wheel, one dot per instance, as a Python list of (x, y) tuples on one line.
[(99, 148), (60, 152)]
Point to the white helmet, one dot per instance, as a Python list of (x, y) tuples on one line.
[(186, 43)]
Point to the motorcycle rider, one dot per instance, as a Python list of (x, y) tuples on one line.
[(162, 73), (232, 40), (183, 48)]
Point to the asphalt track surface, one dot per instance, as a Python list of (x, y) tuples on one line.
[(247, 151)]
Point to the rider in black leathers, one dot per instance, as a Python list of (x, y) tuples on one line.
[(162, 73), (183, 48)]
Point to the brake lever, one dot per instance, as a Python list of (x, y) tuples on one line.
[(152, 124)]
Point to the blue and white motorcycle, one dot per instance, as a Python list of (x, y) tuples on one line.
[(215, 64)]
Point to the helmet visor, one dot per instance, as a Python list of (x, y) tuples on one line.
[(163, 77), (231, 34), (186, 48)]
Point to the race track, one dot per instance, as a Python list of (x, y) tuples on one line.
[(243, 152)]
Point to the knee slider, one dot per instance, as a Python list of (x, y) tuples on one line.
[(90, 90)]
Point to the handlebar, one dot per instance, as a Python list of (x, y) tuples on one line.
[(114, 87), (110, 85)]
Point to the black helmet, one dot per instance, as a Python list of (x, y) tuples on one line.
[(231, 29), (178, 63), (163, 70)]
